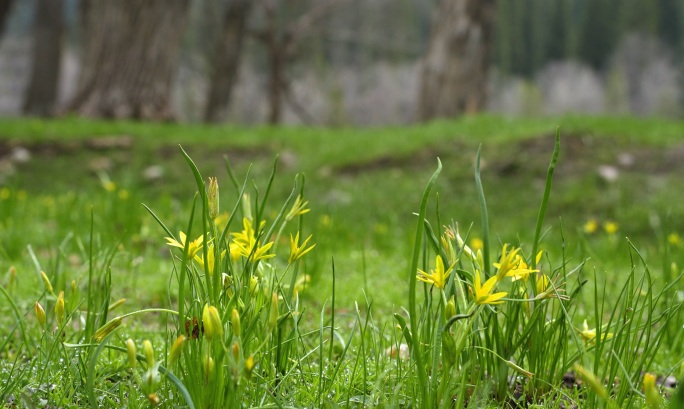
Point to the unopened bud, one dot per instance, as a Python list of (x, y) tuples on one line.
[(60, 312), (246, 207), (273, 311), (107, 329), (253, 285), (519, 369), (212, 322), (132, 353), (117, 304), (249, 366), (149, 353), (176, 350), (450, 309), (235, 349), (46, 281), (591, 380), (40, 314), (208, 366), (153, 398), (213, 198), (235, 321)]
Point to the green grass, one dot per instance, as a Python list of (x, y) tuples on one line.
[(363, 188)]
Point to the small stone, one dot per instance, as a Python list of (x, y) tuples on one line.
[(153, 173), (20, 155), (608, 173)]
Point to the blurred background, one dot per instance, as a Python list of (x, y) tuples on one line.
[(339, 62)]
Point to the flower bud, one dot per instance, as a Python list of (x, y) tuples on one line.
[(653, 398), (117, 304), (132, 353), (208, 366), (153, 398), (60, 312), (176, 350), (212, 322), (12, 277), (235, 321), (450, 309), (213, 198), (107, 329), (249, 366), (235, 349), (448, 349), (149, 353), (591, 380), (519, 369), (40, 314), (46, 281), (253, 285), (246, 207), (273, 311)]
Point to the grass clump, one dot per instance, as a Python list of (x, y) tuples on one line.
[(485, 323)]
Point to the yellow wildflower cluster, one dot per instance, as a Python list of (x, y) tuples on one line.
[(592, 226)]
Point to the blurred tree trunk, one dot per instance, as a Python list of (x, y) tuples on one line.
[(226, 59), (129, 60), (48, 28), (5, 7), (454, 71)]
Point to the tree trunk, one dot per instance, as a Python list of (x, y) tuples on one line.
[(226, 59), (5, 7), (275, 84), (130, 53), (48, 27), (454, 71)]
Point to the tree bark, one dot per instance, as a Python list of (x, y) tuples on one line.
[(226, 59), (454, 70), (48, 29), (130, 53), (5, 7)]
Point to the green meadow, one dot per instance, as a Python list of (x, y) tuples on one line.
[(480, 262)]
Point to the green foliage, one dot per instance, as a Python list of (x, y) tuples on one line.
[(224, 316)]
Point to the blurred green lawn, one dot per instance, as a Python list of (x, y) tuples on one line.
[(363, 186)]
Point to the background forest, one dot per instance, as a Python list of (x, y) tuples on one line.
[(348, 62)]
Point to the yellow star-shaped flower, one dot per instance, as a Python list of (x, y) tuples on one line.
[(483, 292), (438, 276)]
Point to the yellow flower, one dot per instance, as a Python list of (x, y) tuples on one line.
[(210, 259), (297, 251), (610, 227), (298, 209), (108, 185), (674, 239), (512, 265), (590, 226), (589, 335), (545, 290), (245, 243), (193, 247), (483, 292), (476, 244), (438, 276)]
